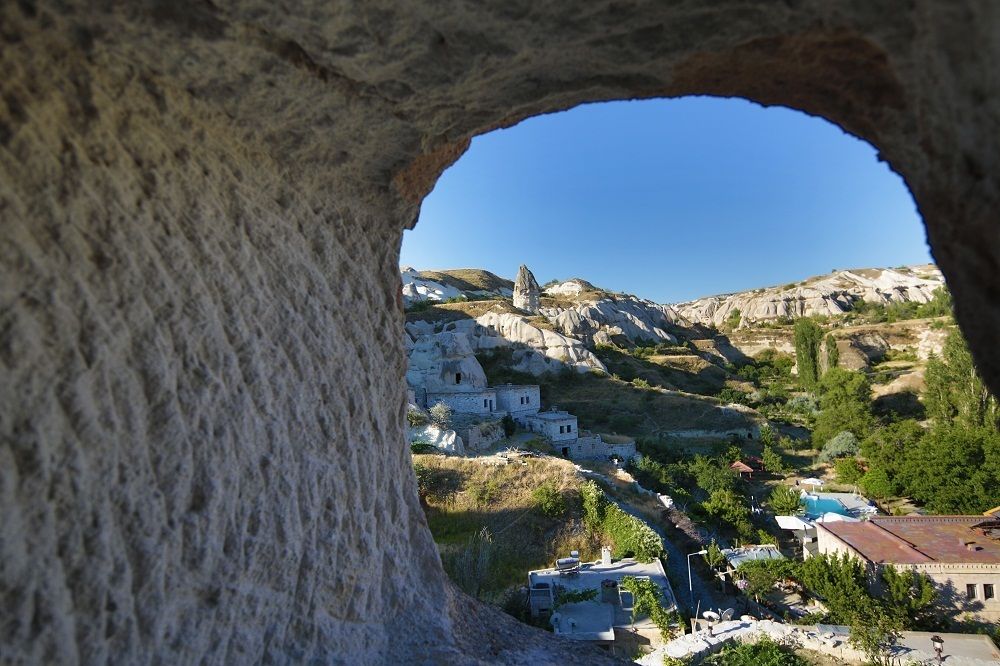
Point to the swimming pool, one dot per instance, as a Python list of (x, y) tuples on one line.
[(817, 506)]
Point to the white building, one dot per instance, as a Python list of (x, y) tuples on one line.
[(557, 425), (609, 617), (518, 400)]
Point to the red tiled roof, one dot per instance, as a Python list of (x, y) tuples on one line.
[(918, 539), (741, 467)]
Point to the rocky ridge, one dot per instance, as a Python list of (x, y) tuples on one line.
[(832, 294)]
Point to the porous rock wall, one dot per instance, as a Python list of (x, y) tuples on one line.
[(202, 402)]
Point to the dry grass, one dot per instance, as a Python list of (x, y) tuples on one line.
[(468, 279), (472, 496)]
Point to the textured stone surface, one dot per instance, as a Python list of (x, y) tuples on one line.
[(526, 290), (202, 402)]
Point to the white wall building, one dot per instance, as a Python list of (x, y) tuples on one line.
[(518, 400), (557, 425), (482, 402)]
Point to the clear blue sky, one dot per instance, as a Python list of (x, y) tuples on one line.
[(668, 199)]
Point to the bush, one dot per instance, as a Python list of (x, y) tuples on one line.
[(509, 426), (764, 652), (631, 535), (416, 418), (549, 500), (843, 445), (419, 446), (440, 415)]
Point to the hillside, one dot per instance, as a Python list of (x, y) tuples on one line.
[(833, 294)]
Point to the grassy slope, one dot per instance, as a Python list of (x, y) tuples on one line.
[(468, 279), (472, 496), (606, 404)]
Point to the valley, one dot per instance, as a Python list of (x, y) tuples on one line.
[(694, 421)]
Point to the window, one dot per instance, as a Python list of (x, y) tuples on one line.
[(486, 404), (970, 591), (988, 591), (458, 377), (569, 428), (527, 399)]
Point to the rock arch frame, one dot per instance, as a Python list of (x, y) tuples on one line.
[(202, 207)]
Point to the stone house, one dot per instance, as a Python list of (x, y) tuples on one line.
[(961, 554)]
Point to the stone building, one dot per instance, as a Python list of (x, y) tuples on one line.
[(518, 400), (556, 425), (527, 294), (961, 554)]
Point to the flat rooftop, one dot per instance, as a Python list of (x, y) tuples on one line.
[(920, 539), (553, 416), (592, 620), (737, 556)]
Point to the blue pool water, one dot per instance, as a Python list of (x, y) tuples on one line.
[(817, 506)]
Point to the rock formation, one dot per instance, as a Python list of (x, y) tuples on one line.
[(831, 294), (527, 295), (202, 405)]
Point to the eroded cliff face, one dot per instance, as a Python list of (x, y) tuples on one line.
[(202, 436)]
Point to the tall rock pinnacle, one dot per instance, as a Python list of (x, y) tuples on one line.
[(527, 295)]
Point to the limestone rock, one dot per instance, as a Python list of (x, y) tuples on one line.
[(526, 291), (447, 441), (629, 319), (436, 359), (831, 294)]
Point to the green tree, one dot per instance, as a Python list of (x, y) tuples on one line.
[(807, 338), (911, 596), (849, 470), (955, 393), (888, 448), (875, 633), (876, 483), (845, 404), (728, 507), (711, 476), (509, 426), (955, 469), (767, 436), (772, 461), (714, 556), (785, 501), (840, 581), (832, 353)]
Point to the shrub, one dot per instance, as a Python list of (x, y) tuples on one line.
[(764, 652), (843, 445), (415, 417), (440, 415), (549, 500), (484, 492), (509, 426), (631, 535), (418, 446)]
